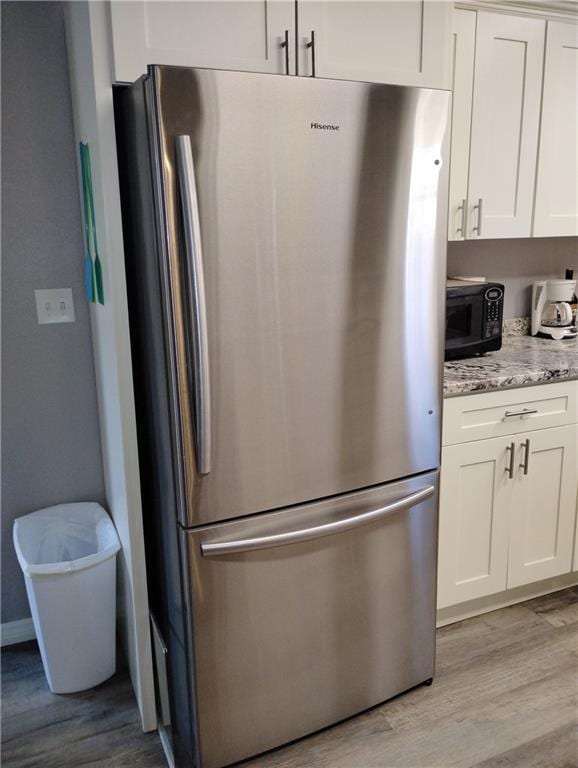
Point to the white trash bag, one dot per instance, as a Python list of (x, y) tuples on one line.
[(67, 554)]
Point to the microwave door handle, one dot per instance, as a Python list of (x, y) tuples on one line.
[(317, 531), (197, 304)]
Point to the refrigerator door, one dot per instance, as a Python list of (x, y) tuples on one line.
[(303, 248), (312, 614)]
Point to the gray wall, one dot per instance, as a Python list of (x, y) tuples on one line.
[(50, 439), (516, 263)]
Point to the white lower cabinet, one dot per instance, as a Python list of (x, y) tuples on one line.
[(542, 515), (475, 497), (507, 505), (575, 561)]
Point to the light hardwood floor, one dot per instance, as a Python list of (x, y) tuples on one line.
[(505, 696), (96, 728)]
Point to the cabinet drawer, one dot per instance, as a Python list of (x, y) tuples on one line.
[(507, 412)]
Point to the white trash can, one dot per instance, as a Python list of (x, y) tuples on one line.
[(68, 556)]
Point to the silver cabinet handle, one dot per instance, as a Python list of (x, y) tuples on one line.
[(196, 296), (519, 414), (510, 468), (463, 208), (478, 228), (526, 446), (316, 531), (311, 44), (285, 45)]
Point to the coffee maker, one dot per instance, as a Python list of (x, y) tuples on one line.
[(552, 315)]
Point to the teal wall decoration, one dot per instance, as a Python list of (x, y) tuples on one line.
[(93, 282)]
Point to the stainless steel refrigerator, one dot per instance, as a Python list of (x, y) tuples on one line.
[(285, 246)]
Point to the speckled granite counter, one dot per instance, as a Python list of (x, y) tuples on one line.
[(523, 360)]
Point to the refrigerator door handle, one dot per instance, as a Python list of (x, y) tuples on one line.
[(317, 531), (196, 297)]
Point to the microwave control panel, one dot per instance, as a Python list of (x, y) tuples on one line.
[(494, 305)]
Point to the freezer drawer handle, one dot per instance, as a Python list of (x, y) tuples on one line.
[(196, 297), (317, 531)]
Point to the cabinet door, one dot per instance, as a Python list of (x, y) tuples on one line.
[(505, 118), (464, 43), (473, 531), (405, 43), (575, 561), (543, 506), (556, 211), (224, 34)]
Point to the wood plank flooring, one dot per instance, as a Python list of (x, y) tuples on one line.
[(505, 696), (96, 728)]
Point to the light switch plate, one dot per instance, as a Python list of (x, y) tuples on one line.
[(54, 306)]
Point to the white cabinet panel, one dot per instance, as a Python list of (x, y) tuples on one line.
[(509, 411), (556, 209), (505, 121), (405, 42), (224, 34), (544, 506), (575, 561), (464, 43), (509, 490), (475, 497)]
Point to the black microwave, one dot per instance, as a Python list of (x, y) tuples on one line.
[(474, 313)]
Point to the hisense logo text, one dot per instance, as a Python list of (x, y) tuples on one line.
[(324, 127)]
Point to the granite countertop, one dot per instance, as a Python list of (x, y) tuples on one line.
[(523, 360)]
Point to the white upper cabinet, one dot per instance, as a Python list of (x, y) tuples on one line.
[(556, 210), (248, 35), (463, 49), (505, 122), (405, 42)]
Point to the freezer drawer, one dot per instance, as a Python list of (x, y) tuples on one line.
[(310, 614)]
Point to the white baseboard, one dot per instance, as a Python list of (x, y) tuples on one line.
[(454, 613), (12, 632)]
